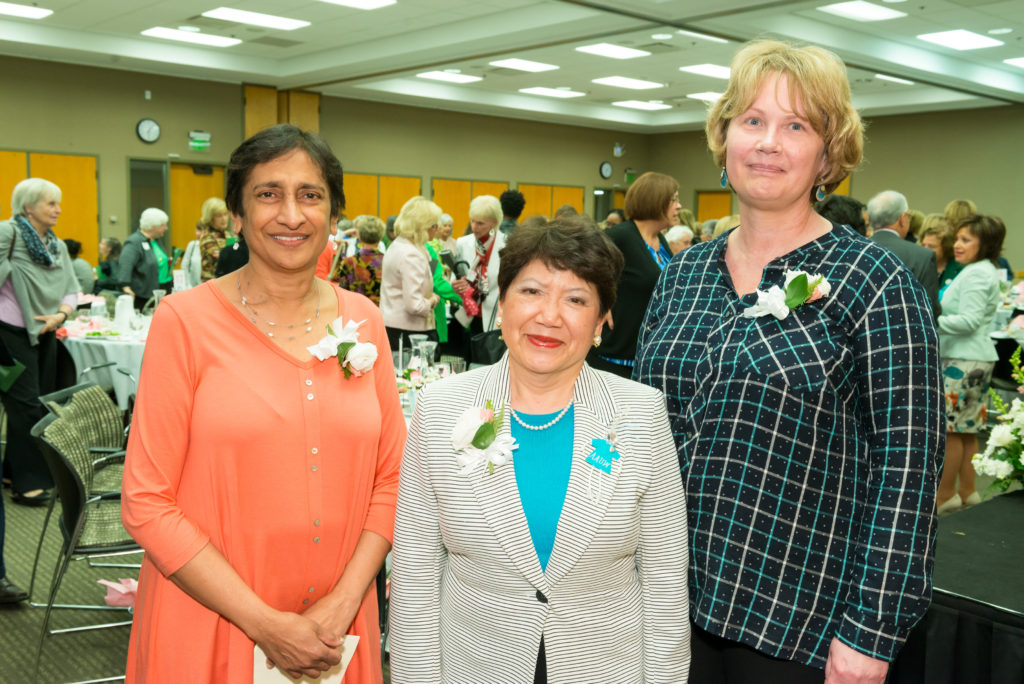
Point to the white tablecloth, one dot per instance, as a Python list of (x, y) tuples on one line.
[(92, 351)]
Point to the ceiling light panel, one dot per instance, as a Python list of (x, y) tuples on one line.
[(362, 4), (255, 19), (861, 11), (189, 37), (524, 65), (613, 51), (701, 36), (449, 77), (712, 70), (705, 97), (552, 92), (624, 82), (894, 79), (24, 11), (648, 105), (960, 40), (1016, 61)]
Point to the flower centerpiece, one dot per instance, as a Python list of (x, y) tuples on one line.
[(477, 439), (342, 341), (1003, 457), (801, 288)]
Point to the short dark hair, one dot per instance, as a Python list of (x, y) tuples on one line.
[(990, 231), (512, 203), (568, 244), (843, 210), (114, 245), (649, 196), (74, 247), (274, 142), (566, 211)]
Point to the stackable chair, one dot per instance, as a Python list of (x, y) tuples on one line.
[(90, 520)]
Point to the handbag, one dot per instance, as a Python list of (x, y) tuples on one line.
[(487, 347)]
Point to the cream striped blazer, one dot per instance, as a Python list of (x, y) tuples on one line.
[(469, 601)]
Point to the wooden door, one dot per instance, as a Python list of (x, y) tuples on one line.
[(618, 201), (538, 199), (13, 170), (565, 194), (188, 192), (396, 191), (488, 188), (713, 204), (360, 194), (75, 175), (454, 196)]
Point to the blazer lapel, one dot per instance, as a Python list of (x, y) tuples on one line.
[(498, 494), (590, 489)]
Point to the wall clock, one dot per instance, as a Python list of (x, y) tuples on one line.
[(148, 130), (605, 169)]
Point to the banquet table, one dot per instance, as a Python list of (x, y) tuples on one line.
[(126, 353)]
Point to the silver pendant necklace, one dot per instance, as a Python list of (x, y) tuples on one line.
[(290, 327), (546, 425)]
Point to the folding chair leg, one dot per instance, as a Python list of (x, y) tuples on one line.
[(58, 575), (39, 549)]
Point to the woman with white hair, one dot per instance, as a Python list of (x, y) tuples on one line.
[(444, 233), (480, 252), (407, 296), (38, 291), (679, 237), (144, 264)]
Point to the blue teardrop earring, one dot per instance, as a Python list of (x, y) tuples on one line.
[(820, 195), (724, 181)]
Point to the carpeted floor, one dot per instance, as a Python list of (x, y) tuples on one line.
[(79, 656)]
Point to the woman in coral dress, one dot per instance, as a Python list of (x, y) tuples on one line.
[(260, 479)]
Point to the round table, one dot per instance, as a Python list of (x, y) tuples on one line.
[(89, 352)]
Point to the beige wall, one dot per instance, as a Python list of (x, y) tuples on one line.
[(51, 107)]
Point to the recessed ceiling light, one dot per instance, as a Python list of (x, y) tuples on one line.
[(362, 4), (858, 10), (649, 105), (894, 79), (23, 11), (189, 37), (523, 65), (624, 82), (449, 76), (255, 19), (190, 29), (552, 92), (893, 1), (1016, 61), (701, 36), (999, 31), (960, 40), (712, 70), (613, 51), (705, 97), (661, 36)]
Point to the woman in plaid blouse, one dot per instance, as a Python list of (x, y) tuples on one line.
[(800, 363)]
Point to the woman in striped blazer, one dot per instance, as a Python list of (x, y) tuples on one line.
[(541, 530)]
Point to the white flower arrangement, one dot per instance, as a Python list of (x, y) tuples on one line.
[(1003, 457), (342, 341), (476, 439), (801, 288)]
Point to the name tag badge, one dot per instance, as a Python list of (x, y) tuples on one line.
[(145, 246), (603, 455)]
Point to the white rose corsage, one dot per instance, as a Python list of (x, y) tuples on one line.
[(476, 439), (342, 340), (801, 288)]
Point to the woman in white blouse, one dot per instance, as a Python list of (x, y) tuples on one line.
[(407, 298)]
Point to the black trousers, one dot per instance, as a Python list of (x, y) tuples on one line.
[(395, 333), (714, 660), (22, 459), (540, 675)]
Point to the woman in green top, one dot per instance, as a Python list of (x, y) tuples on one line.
[(937, 236), (144, 265)]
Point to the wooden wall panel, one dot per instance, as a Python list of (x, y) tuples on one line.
[(488, 188), (538, 199), (565, 194), (844, 187), (300, 108), (360, 194), (76, 177), (396, 191), (618, 201), (713, 204), (260, 108), (453, 196), (13, 170), (188, 192)]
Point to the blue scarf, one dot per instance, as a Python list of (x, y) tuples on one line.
[(42, 253)]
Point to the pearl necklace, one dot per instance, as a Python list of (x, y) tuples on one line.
[(270, 333), (546, 425)]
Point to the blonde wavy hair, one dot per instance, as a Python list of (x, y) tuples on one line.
[(817, 78), (416, 218)]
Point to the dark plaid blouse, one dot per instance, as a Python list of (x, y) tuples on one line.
[(809, 446)]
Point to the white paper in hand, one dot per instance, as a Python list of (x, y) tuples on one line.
[(261, 675)]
